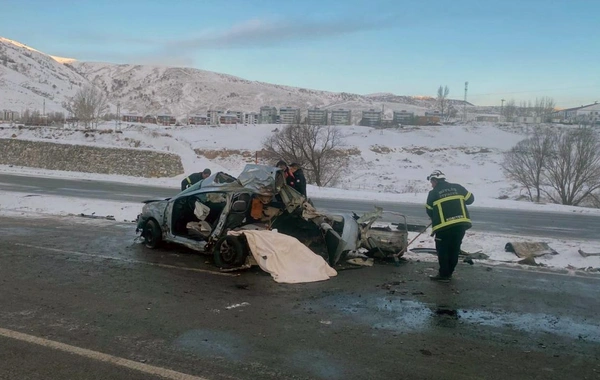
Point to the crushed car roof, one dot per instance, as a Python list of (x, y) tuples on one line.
[(260, 179)]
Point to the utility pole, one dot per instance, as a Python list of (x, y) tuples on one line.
[(44, 109), (502, 108), (465, 103)]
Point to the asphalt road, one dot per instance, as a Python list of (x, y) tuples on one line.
[(80, 300), (510, 221)]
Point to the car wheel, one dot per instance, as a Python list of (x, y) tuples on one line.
[(229, 252), (152, 234)]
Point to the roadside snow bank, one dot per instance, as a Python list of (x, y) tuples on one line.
[(21, 204), (493, 246)]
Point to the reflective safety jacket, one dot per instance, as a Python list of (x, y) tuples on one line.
[(190, 180), (446, 206)]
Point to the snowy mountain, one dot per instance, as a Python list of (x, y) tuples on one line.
[(30, 77)]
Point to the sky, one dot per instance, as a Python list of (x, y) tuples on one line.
[(512, 49)]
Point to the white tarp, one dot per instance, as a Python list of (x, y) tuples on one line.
[(285, 258)]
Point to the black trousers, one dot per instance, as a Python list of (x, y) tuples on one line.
[(447, 245)]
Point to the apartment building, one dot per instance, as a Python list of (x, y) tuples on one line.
[(251, 118), (238, 114), (267, 115), (317, 116), (403, 117), (8, 115), (199, 120), (371, 118), (341, 117), (289, 115), (213, 116)]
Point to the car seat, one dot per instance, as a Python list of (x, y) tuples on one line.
[(202, 227)]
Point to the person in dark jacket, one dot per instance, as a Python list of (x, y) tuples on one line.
[(290, 180), (447, 208), (194, 178), (300, 179)]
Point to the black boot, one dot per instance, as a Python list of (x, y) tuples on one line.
[(439, 278)]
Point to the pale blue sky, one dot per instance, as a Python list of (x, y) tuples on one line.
[(506, 49)]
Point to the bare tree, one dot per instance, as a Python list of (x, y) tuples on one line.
[(573, 170), (510, 110), (317, 148), (543, 108), (525, 162), (88, 105), (442, 99), (525, 108)]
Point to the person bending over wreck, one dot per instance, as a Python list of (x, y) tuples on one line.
[(299, 178), (446, 206), (194, 178)]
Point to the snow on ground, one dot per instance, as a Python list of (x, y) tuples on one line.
[(392, 165), (34, 205), (23, 205), (493, 245)]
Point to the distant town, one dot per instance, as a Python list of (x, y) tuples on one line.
[(290, 115), (586, 114)]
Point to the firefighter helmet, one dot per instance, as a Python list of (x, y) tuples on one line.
[(436, 174)]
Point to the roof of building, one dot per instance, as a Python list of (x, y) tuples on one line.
[(577, 108)]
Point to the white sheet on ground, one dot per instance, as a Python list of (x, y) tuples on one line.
[(285, 258)]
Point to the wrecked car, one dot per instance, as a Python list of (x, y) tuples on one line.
[(201, 216)]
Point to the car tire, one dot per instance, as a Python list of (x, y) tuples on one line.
[(152, 234), (229, 252)]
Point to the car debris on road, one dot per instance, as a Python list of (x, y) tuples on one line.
[(203, 216)]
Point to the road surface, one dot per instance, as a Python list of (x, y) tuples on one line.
[(80, 300), (510, 221)]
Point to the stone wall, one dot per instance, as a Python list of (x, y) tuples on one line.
[(89, 159)]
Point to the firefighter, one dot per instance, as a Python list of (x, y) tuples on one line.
[(299, 178), (194, 177), (446, 206), (290, 180)]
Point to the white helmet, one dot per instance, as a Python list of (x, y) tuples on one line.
[(437, 174)]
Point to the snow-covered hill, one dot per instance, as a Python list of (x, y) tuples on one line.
[(30, 77)]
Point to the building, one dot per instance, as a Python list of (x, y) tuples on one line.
[(166, 119), (341, 117), (267, 115), (494, 119), (527, 119), (434, 114), (251, 118), (198, 120), (132, 118), (150, 119), (428, 120), (228, 119), (403, 117), (213, 116), (289, 115), (238, 114), (317, 116), (587, 113), (8, 115), (371, 118)]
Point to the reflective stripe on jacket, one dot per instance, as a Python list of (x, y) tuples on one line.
[(446, 206)]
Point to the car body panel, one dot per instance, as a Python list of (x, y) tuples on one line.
[(340, 233)]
